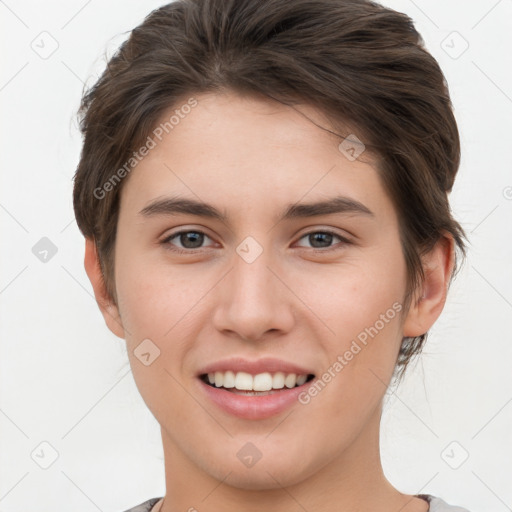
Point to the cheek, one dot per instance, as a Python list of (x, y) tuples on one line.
[(156, 312), (351, 296), (156, 299), (360, 307)]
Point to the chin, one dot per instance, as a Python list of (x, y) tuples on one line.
[(273, 470), (261, 479)]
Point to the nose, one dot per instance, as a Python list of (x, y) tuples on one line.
[(254, 299)]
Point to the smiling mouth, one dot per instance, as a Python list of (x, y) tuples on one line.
[(242, 383)]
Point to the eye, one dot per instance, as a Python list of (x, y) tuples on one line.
[(190, 240), (324, 238), (193, 239)]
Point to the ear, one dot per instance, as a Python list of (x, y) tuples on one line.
[(429, 301), (107, 307)]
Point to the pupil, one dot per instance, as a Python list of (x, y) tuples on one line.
[(185, 238), (319, 236)]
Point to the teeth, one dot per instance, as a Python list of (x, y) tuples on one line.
[(278, 380), (291, 380), (262, 382), (229, 380), (244, 381), (301, 379)]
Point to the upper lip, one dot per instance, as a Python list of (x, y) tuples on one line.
[(262, 365)]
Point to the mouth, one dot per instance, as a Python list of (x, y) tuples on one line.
[(254, 389), (261, 384)]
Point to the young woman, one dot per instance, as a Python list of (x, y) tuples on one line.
[(263, 192)]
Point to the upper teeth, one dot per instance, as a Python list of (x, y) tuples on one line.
[(260, 382)]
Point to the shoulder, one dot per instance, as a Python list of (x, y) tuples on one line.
[(436, 505), (146, 506), (439, 505)]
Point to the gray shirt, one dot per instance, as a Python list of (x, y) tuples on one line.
[(435, 505)]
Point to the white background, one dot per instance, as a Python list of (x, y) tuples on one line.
[(65, 378)]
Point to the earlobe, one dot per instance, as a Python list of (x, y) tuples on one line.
[(429, 302), (107, 307)]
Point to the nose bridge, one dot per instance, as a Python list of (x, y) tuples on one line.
[(252, 277), (253, 299)]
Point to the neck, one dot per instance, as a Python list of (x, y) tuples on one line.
[(351, 480)]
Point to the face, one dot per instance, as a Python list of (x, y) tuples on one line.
[(314, 292)]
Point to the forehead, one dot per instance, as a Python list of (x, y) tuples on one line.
[(246, 154)]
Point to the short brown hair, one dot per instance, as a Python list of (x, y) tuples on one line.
[(361, 64)]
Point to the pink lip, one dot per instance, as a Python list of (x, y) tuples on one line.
[(253, 407), (265, 364)]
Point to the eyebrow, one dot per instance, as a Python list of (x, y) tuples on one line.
[(180, 205)]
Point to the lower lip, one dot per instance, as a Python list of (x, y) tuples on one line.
[(253, 407)]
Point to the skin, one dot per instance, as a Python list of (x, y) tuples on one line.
[(252, 157)]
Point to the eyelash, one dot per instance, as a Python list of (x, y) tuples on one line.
[(166, 241)]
